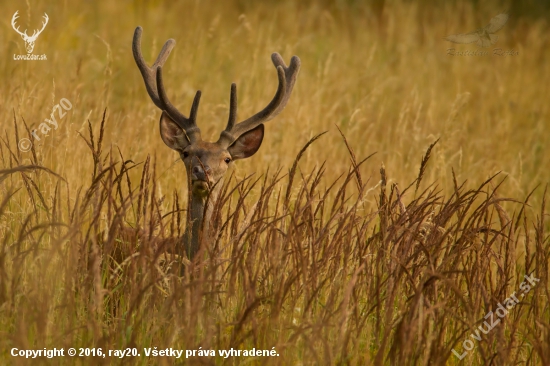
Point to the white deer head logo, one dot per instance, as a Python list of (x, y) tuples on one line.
[(29, 40)]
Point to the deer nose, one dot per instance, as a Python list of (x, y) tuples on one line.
[(200, 173)]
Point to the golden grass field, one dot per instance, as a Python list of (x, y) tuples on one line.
[(394, 262)]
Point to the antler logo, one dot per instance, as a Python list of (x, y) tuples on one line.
[(29, 40), (483, 37)]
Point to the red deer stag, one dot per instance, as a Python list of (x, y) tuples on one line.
[(207, 162)]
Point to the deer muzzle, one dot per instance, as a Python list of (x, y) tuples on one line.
[(200, 179)]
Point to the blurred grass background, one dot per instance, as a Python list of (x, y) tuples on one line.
[(378, 70)]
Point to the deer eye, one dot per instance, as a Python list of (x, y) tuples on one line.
[(185, 154), (227, 160)]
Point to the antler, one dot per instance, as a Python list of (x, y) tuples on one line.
[(287, 79), (13, 19), (152, 76), (36, 33), (149, 73), (189, 125)]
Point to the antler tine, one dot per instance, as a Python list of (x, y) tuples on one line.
[(291, 73), (149, 73), (189, 125), (226, 136), (232, 107), (287, 79)]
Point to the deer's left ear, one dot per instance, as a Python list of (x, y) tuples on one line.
[(247, 144)]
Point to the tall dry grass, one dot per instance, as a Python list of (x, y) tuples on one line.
[(321, 253)]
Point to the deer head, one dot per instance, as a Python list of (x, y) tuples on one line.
[(29, 40), (207, 162)]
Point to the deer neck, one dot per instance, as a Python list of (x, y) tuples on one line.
[(199, 226)]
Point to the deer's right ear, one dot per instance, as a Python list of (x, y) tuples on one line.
[(172, 134)]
